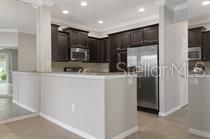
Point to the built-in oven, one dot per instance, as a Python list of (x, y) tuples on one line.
[(79, 54), (194, 53)]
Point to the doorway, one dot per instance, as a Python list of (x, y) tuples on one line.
[(5, 87)]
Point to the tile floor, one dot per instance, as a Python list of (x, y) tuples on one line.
[(10, 110), (151, 127)]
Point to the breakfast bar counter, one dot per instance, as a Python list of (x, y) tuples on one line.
[(92, 105)]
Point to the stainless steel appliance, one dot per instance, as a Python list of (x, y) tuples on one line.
[(194, 53), (145, 61), (79, 54)]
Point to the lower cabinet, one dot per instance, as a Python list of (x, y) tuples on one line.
[(118, 61)]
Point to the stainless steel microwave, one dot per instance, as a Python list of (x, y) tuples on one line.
[(79, 54), (194, 53)]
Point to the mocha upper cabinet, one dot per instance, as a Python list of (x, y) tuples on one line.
[(118, 61), (125, 40), (98, 50), (54, 38), (195, 37), (120, 41), (151, 35), (77, 38), (63, 46), (93, 44), (104, 49), (60, 44), (115, 42), (137, 37), (206, 45)]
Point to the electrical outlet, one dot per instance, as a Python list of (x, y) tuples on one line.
[(73, 107)]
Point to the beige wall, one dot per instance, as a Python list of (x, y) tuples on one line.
[(26, 52)]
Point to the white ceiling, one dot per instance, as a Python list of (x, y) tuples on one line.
[(197, 12), (112, 12), (17, 15)]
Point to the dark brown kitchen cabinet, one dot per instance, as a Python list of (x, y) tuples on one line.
[(206, 45), (63, 46), (104, 50), (54, 41), (77, 38), (60, 44), (120, 41), (115, 42), (151, 35), (118, 61), (195, 37), (137, 37), (93, 44), (98, 49)]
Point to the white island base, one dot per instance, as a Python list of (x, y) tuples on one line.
[(90, 105)]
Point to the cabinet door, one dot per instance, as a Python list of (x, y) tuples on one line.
[(103, 50), (206, 45), (125, 40), (93, 47), (83, 39), (123, 61), (54, 38), (195, 37), (113, 62), (74, 38), (137, 37), (63, 47), (151, 35), (105, 43), (118, 61), (115, 42)]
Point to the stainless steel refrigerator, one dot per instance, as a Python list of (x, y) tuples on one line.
[(144, 62)]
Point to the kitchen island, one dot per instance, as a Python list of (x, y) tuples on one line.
[(199, 103), (92, 105)]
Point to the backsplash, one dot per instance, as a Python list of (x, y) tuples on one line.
[(89, 67), (192, 65)]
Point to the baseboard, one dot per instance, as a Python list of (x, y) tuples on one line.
[(23, 106), (199, 133), (19, 118), (164, 114), (127, 133), (67, 127)]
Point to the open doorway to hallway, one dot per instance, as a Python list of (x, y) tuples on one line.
[(8, 63)]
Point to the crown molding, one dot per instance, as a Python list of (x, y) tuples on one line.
[(154, 18), (73, 24), (199, 22)]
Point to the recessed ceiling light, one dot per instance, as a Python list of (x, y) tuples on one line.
[(65, 12), (141, 10), (204, 3), (83, 3), (100, 22)]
